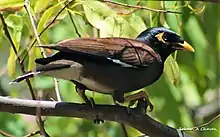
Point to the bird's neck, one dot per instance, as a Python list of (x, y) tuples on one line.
[(164, 53)]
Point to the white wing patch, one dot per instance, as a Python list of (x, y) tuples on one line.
[(123, 64)]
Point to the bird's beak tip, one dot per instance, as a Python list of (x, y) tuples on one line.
[(187, 47)]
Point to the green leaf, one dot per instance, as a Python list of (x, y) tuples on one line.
[(93, 11), (173, 20), (102, 17), (172, 70), (11, 63), (31, 59), (199, 42), (110, 23), (11, 5), (40, 5), (188, 87), (16, 24), (137, 23), (46, 17)]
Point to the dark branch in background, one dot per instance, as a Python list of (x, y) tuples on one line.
[(141, 7), (136, 119), (210, 1), (74, 25), (16, 53)]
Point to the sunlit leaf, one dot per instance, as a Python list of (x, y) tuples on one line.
[(46, 17), (11, 5), (172, 70), (11, 63), (32, 57), (189, 90), (137, 23), (41, 5), (16, 24), (110, 23), (94, 15)]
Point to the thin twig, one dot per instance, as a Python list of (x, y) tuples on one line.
[(32, 133), (207, 123), (40, 123), (16, 53), (26, 6), (5, 134), (141, 7), (57, 90), (48, 25), (74, 25), (124, 131)]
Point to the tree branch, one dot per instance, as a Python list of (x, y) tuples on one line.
[(135, 119), (141, 7)]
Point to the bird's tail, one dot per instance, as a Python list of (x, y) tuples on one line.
[(41, 71), (29, 74)]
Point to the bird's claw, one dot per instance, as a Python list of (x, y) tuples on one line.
[(98, 120), (143, 96), (91, 102), (142, 105)]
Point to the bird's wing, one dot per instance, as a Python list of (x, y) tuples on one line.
[(123, 51)]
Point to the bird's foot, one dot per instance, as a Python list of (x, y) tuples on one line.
[(142, 106), (143, 101), (97, 120)]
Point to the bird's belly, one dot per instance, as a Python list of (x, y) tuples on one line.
[(107, 79)]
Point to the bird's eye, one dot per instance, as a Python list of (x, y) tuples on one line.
[(165, 37)]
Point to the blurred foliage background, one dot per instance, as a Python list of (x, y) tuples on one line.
[(187, 94)]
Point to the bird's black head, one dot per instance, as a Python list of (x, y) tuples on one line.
[(163, 41)]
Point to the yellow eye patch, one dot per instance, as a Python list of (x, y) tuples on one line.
[(160, 37)]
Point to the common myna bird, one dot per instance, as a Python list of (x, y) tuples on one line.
[(111, 65)]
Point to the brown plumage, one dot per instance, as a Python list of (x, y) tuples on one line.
[(111, 65)]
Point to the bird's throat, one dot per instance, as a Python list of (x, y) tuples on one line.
[(164, 53)]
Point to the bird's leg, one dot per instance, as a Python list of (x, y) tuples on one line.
[(118, 96), (135, 97), (80, 89)]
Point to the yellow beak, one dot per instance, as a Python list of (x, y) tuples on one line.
[(186, 46)]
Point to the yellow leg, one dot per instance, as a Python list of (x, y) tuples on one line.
[(80, 89), (82, 94), (140, 95)]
